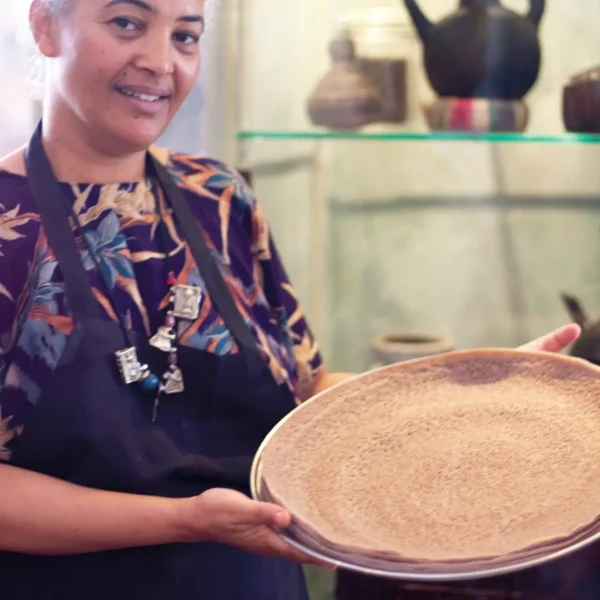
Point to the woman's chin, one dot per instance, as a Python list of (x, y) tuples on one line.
[(137, 136)]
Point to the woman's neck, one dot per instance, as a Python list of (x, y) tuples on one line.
[(76, 157)]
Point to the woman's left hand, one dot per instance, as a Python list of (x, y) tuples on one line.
[(556, 341)]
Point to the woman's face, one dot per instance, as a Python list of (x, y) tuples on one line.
[(124, 67)]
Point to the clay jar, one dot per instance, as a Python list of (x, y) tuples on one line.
[(345, 98), (581, 102), (399, 347), (483, 50)]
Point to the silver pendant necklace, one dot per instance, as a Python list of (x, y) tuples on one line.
[(184, 305)]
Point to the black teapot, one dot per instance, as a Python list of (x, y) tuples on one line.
[(588, 344), (483, 50)]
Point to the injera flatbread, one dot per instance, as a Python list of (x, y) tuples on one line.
[(466, 456)]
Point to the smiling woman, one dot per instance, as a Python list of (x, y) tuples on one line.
[(125, 66), (149, 336)]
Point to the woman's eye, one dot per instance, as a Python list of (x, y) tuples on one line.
[(125, 24), (187, 39)]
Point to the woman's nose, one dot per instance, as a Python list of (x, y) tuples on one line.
[(158, 55)]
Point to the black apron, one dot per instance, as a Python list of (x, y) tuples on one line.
[(91, 429)]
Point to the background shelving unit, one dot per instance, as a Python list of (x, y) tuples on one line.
[(403, 229), (406, 136)]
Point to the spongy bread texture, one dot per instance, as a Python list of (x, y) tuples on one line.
[(462, 456)]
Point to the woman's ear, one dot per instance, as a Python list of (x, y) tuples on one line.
[(44, 27)]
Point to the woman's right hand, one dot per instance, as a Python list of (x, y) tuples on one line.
[(229, 517)]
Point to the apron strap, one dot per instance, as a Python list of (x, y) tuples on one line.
[(50, 201), (215, 283)]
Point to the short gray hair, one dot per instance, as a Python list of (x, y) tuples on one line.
[(209, 8), (58, 6)]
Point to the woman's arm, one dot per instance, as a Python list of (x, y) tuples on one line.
[(43, 515), (46, 516), (324, 380)]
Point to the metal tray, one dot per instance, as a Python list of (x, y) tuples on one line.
[(463, 571)]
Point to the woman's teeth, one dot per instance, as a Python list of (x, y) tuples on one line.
[(143, 97)]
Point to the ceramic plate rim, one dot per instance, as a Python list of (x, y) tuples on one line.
[(402, 573)]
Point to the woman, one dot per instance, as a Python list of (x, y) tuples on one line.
[(149, 337)]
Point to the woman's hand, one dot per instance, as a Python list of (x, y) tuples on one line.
[(229, 517), (555, 341)]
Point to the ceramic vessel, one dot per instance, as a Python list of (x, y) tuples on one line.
[(394, 348), (345, 98), (588, 344), (581, 102), (483, 50)]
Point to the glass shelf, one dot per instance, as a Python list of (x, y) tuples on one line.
[(520, 138)]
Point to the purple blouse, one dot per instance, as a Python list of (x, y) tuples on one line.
[(119, 222)]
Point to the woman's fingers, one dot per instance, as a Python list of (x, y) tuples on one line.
[(279, 547), (554, 341)]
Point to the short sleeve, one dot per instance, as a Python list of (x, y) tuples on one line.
[(19, 236), (18, 229), (6, 433), (282, 296)]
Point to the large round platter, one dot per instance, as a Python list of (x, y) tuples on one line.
[(499, 437)]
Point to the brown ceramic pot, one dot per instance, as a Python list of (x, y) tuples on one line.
[(345, 98), (399, 347), (581, 102)]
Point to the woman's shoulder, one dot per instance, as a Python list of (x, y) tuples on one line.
[(14, 188), (19, 233), (13, 163), (17, 208), (18, 213), (206, 176), (193, 164)]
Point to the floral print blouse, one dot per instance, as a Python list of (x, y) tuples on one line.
[(119, 222)]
